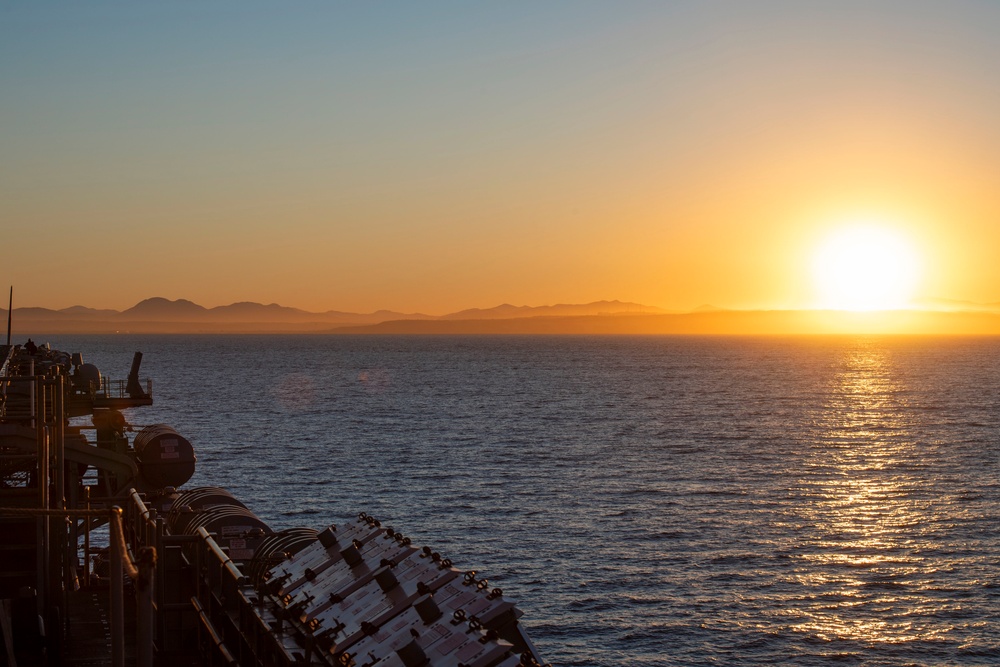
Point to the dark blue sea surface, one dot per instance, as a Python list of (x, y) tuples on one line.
[(646, 500)]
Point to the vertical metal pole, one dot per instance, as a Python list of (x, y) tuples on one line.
[(150, 527), (34, 387), (42, 482), (86, 536), (8, 632), (58, 428), (144, 602), (117, 592), (67, 547), (161, 631), (10, 312)]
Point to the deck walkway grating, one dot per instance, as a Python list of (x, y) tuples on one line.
[(88, 641)]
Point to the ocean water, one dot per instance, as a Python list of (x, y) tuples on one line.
[(646, 500)]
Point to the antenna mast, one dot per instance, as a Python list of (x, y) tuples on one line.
[(10, 311)]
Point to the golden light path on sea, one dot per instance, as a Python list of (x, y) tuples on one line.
[(867, 520)]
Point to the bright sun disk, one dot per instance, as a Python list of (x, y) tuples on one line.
[(865, 268)]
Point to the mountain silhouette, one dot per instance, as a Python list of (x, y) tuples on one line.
[(161, 315), (506, 310), (164, 309)]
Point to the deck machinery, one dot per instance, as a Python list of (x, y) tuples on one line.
[(209, 582)]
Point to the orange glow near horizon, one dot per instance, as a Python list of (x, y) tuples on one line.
[(676, 156)]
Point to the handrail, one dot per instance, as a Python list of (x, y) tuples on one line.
[(141, 572), (213, 634), (144, 579), (109, 388), (218, 588), (117, 538), (4, 379), (34, 511), (6, 358)]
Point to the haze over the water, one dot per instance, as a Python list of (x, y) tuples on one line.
[(433, 157)]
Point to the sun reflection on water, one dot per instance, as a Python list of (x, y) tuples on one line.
[(860, 574)]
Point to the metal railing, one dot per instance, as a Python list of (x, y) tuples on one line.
[(141, 571), (119, 388), (216, 584), (217, 599)]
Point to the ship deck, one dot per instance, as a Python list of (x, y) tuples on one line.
[(88, 640)]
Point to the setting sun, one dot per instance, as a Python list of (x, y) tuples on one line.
[(865, 268)]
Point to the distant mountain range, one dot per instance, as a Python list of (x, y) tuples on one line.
[(159, 315), (712, 322), (159, 309)]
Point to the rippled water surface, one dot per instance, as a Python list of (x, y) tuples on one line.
[(646, 500)]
